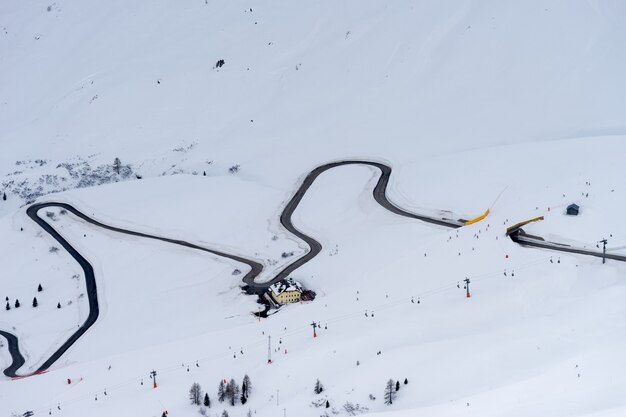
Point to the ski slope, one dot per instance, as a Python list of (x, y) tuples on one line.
[(474, 105)]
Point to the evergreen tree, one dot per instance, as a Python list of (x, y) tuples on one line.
[(4, 196), (58, 305), (195, 393), (319, 387), (246, 386), (406, 381), (397, 385), (390, 393), (232, 392), (17, 303), (207, 400), (39, 288), (8, 307), (117, 165), (221, 392), (327, 404), (35, 304)]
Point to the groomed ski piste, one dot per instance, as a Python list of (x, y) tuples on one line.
[(255, 268), (513, 107), (313, 249)]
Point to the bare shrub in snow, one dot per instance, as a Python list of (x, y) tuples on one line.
[(354, 409), (185, 148), (318, 403)]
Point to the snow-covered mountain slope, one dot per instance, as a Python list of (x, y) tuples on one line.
[(515, 107), (85, 82)]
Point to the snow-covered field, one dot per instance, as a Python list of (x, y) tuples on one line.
[(516, 107)]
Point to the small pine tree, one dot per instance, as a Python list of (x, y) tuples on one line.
[(4, 196), (232, 392), (207, 400), (59, 305), (390, 393), (319, 387), (35, 304), (117, 165), (8, 307), (39, 288), (17, 303), (195, 393), (406, 381), (246, 386), (327, 404), (397, 385), (221, 392)]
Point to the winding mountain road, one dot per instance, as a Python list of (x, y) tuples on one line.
[(522, 238), (256, 268), (380, 195)]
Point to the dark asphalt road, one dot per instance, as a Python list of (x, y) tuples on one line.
[(16, 355), (379, 195), (90, 281), (538, 242), (256, 268)]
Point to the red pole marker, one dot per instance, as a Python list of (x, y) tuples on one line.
[(153, 375), (467, 290)]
